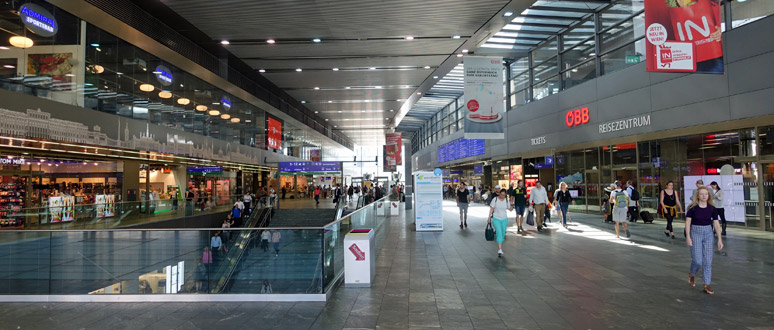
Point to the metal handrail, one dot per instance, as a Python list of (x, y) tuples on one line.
[(234, 261)]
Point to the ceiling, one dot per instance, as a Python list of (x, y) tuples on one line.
[(378, 68)]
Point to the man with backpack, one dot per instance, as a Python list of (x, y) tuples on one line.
[(634, 201), (619, 202)]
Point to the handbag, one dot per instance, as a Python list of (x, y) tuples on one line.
[(489, 233), (531, 218)]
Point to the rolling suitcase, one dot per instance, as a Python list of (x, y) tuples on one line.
[(646, 217)]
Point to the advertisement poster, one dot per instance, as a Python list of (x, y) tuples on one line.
[(68, 208), (389, 164), (314, 155), (684, 36), (733, 193), (274, 136), (484, 94), (55, 208), (429, 200), (110, 205), (99, 204), (394, 142), (58, 67)]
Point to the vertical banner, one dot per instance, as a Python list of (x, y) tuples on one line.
[(683, 36), (389, 164), (394, 142), (429, 200), (314, 155), (274, 133), (485, 107)]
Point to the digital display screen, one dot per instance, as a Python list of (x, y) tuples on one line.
[(309, 167), (461, 148)]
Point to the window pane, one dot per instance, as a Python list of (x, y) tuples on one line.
[(580, 74), (619, 12), (623, 33), (577, 55), (520, 97), (579, 33), (544, 52), (750, 11), (519, 66), (624, 57), (520, 82), (546, 88)]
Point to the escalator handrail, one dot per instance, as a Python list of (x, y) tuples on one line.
[(245, 238)]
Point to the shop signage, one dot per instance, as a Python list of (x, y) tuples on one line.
[(478, 169), (38, 20), (576, 117), (456, 172), (204, 170), (538, 140), (683, 36), (226, 102), (12, 161), (163, 75), (623, 124), (540, 166), (292, 168)]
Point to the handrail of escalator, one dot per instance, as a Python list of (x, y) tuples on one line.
[(238, 248)]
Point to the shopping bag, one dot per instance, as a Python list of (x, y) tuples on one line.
[(531, 218), (489, 233)]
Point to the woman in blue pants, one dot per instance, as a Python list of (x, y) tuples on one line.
[(498, 216), (701, 217)]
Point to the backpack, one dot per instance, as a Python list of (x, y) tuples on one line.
[(635, 194), (620, 200)]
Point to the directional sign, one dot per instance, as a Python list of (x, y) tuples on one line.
[(359, 255)]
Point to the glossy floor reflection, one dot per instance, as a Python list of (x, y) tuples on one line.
[(576, 278)]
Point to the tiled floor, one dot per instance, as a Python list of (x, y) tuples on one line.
[(582, 278)]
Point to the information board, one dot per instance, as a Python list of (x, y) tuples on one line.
[(429, 200), (292, 168), (461, 148)]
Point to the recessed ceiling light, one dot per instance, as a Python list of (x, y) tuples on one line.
[(409, 38), (398, 100), (592, 54), (459, 55), (372, 68), (419, 93), (427, 66), (386, 118), (378, 87), (362, 111), (367, 101), (299, 70), (347, 87), (316, 40), (508, 14), (8, 66), (330, 101), (262, 70), (316, 112), (335, 126), (224, 42), (465, 51), (435, 77), (317, 88), (455, 37), (326, 119), (335, 69), (574, 70), (392, 110), (339, 111), (270, 41), (302, 101)]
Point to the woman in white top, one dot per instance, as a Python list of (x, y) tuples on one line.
[(717, 200), (498, 216)]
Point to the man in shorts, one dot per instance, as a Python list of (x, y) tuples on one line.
[(619, 204), (462, 203), (519, 201)]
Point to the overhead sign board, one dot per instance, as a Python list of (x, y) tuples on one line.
[(293, 168), (38, 20), (204, 170)]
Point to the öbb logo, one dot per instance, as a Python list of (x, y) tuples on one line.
[(577, 117)]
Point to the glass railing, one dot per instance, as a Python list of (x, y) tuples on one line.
[(110, 215), (181, 261)]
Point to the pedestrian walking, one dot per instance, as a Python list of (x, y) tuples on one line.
[(225, 225), (670, 204), (717, 201), (519, 201), (462, 204), (701, 218), (619, 202), (538, 198), (498, 217), (247, 200), (563, 198), (265, 237), (276, 237), (634, 201), (317, 195), (215, 244)]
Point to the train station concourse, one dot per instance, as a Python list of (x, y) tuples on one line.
[(342, 164)]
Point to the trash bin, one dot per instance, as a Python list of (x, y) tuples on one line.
[(359, 265)]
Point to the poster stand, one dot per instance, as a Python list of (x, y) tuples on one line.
[(429, 200)]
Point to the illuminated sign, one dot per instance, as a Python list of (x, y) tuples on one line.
[(310, 168), (12, 161), (577, 117), (38, 20), (226, 102), (204, 170), (164, 75)]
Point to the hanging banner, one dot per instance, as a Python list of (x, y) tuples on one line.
[(485, 107), (314, 155), (389, 164), (684, 36), (274, 135), (396, 141)]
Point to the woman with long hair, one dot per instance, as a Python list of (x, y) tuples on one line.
[(670, 204), (563, 198), (717, 200), (700, 219)]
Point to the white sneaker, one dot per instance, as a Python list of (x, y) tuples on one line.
[(500, 253)]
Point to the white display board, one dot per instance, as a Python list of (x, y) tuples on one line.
[(394, 208), (359, 263), (380, 208), (733, 193), (429, 200)]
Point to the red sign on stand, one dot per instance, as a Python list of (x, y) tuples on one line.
[(359, 255)]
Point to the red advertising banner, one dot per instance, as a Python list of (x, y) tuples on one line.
[(394, 143), (274, 136), (683, 36)]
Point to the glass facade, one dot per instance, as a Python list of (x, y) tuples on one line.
[(85, 66)]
